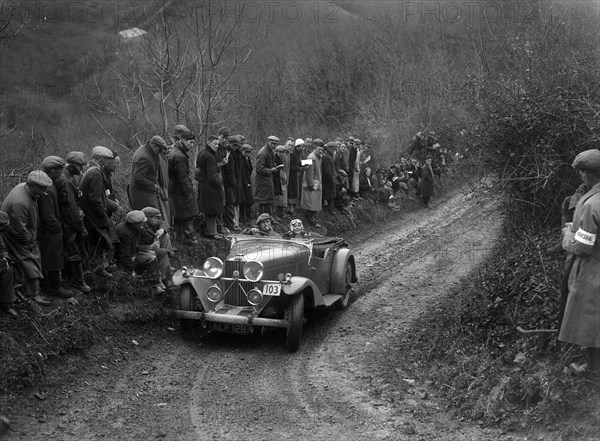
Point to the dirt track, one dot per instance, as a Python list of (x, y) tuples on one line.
[(347, 381)]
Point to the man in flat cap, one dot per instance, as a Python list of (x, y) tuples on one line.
[(210, 187), (7, 272), (231, 184), (264, 187), (312, 185), (155, 230), (581, 321), (262, 227), (246, 178), (144, 189), (21, 236), (134, 256), (96, 185), (184, 206), (50, 232), (74, 232)]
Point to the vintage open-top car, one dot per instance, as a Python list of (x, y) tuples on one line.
[(265, 282)]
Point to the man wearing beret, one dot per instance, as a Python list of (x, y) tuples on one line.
[(181, 189), (144, 189), (264, 187), (96, 186), (132, 255), (21, 236), (7, 272), (50, 232), (74, 231), (581, 321)]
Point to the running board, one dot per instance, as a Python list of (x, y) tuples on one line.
[(330, 299)]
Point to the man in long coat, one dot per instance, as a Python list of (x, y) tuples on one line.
[(210, 186), (230, 185), (426, 187), (328, 173), (181, 187), (21, 237), (264, 188), (74, 232), (312, 185), (237, 142), (96, 206), (246, 179), (295, 177), (581, 322), (7, 272), (144, 189), (50, 232)]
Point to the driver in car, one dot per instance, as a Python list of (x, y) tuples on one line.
[(263, 227), (297, 231)]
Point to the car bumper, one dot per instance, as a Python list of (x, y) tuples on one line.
[(227, 318)]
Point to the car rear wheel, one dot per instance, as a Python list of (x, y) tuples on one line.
[(343, 302), (296, 317), (188, 327)]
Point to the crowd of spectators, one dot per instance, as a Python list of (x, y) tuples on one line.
[(60, 222)]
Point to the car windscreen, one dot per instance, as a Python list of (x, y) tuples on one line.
[(268, 249)]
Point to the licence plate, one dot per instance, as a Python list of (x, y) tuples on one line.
[(271, 289), (230, 328)]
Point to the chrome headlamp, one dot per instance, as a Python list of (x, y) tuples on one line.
[(213, 267), (254, 297), (214, 293), (253, 270)]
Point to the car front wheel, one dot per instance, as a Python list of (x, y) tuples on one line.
[(188, 327), (296, 318)]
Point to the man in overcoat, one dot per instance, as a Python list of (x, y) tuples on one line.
[(246, 179), (426, 187), (50, 232), (312, 185), (210, 187), (95, 187), (144, 189), (7, 272), (181, 188), (328, 173), (74, 232), (264, 188), (21, 237), (581, 321), (295, 177)]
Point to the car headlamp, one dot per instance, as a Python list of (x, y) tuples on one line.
[(254, 297), (213, 267), (214, 294), (253, 270)]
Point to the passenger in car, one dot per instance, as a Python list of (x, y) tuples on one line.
[(297, 231), (263, 227)]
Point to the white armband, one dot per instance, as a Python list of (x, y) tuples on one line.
[(585, 238)]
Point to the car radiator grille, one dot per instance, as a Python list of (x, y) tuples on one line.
[(235, 289)]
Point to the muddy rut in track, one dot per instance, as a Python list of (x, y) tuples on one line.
[(343, 383)]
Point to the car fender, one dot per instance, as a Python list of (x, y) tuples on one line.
[(299, 284), (337, 284)]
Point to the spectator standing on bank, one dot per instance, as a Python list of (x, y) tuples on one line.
[(581, 322), (210, 187), (312, 185), (246, 178), (328, 174), (282, 156), (74, 232), (264, 188), (7, 272), (50, 231), (295, 176), (144, 188), (96, 186), (426, 187), (181, 188), (21, 237)]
